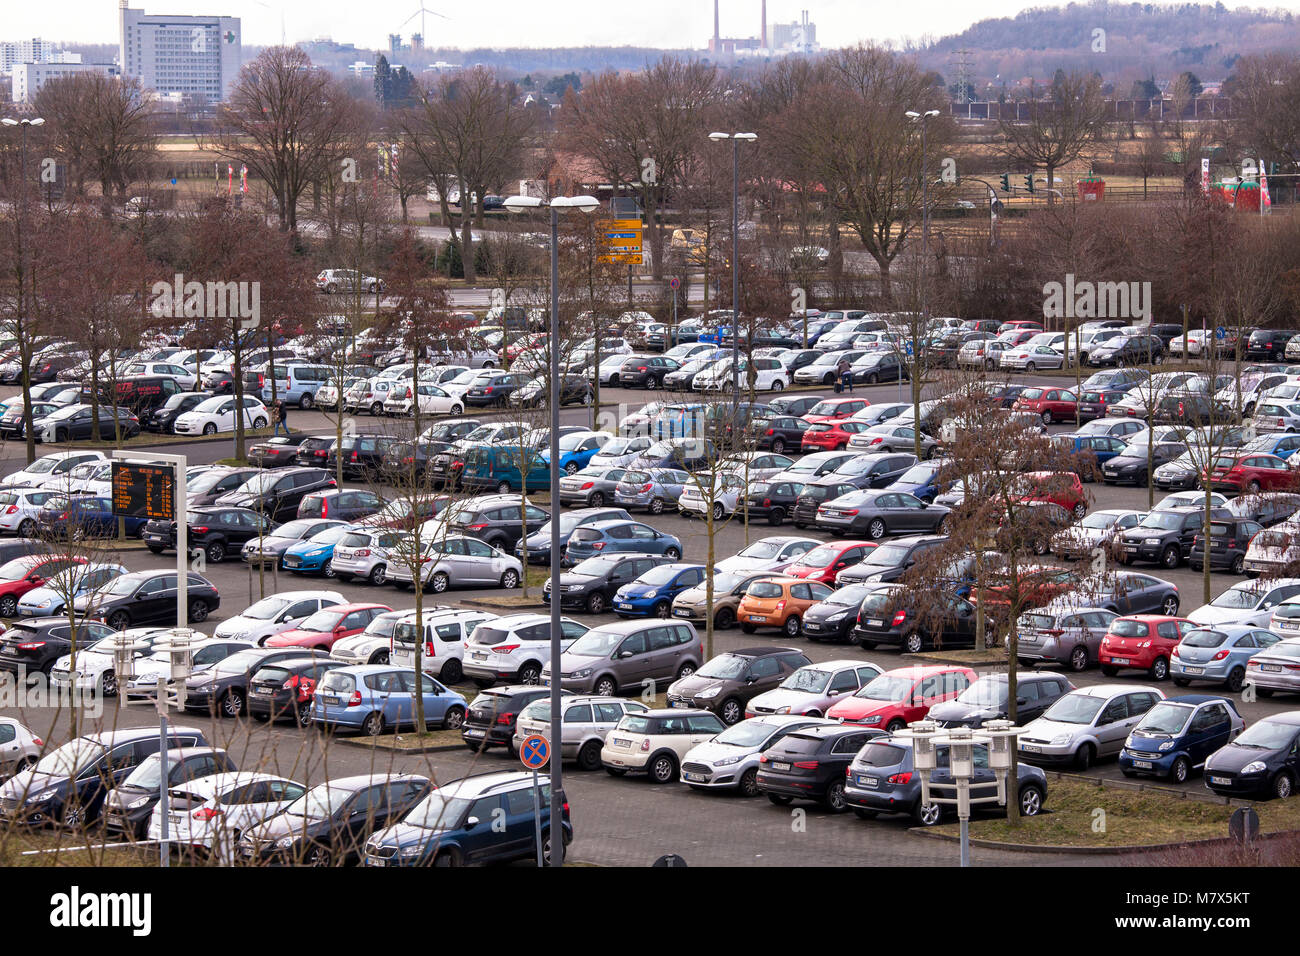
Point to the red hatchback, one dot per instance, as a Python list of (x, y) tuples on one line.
[(1250, 473), (1142, 642), (1049, 404), (830, 435), (322, 629), (1063, 488), (896, 698), (835, 409), (825, 561)]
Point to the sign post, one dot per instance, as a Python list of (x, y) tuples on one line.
[(534, 753), (156, 489)]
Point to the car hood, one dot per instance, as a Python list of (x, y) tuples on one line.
[(783, 697), (239, 624), (1234, 757), (29, 783), (953, 710), (281, 825), (710, 751), (1045, 729), (405, 834), (1207, 614), (693, 685), (739, 563)]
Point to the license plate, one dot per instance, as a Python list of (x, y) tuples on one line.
[(1031, 749), (1193, 670), (864, 781), (695, 777), (1143, 764), (780, 765), (757, 617), (376, 861), (1131, 548), (1222, 781), (1271, 668), (622, 742), (623, 605), (479, 656), (681, 612), (1120, 661), (874, 623), (679, 703), (264, 691), (811, 627)]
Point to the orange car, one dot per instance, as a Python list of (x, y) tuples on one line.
[(779, 602)]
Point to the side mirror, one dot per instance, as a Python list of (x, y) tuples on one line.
[(472, 822)]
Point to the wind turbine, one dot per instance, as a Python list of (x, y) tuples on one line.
[(420, 13)]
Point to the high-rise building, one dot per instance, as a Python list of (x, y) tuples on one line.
[(194, 56), (35, 50)]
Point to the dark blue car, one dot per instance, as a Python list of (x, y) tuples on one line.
[(1091, 451), (486, 818), (84, 516), (606, 537), (919, 480), (1178, 735), (653, 592)]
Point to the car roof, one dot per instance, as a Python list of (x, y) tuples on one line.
[(483, 783), (369, 779), (1110, 690), (762, 650), (1197, 699), (917, 671), (1291, 717), (112, 738)]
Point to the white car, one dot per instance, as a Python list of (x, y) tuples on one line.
[(211, 813), (1274, 415), (181, 375), (756, 465), (769, 376), (1250, 603), (19, 508), (434, 400), (767, 554), (96, 664), (218, 415), (730, 760), (880, 413), (1186, 499), (1272, 550), (513, 648), (619, 451), (657, 741), (204, 655), (446, 633), (812, 689), (50, 469), (275, 613), (19, 747), (723, 497), (462, 383)]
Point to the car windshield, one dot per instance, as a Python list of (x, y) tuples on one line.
[(322, 620), (147, 776), (331, 535), (1165, 719), (663, 574), (762, 549), (985, 693), (573, 440), (319, 803), (1075, 709), (887, 687), (294, 529), (724, 667), (918, 474), (267, 608), (598, 566), (1162, 521), (596, 643), (204, 482), (747, 733), (1099, 520), (615, 446), (888, 555), (808, 680), (1265, 735), (71, 758), (437, 812), (1242, 597), (41, 466), (820, 556), (16, 569)]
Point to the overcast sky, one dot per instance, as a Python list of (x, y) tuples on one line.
[(504, 23)]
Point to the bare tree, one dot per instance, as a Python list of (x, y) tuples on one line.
[(1061, 126)]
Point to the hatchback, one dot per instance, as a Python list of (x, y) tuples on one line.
[(1141, 642), (372, 698), (128, 806), (652, 593), (1264, 760), (812, 688), (779, 602), (1218, 654), (730, 761), (656, 742), (607, 537), (727, 682), (898, 697), (585, 722), (628, 654), (811, 764), (210, 813), (1063, 631), (1086, 724)]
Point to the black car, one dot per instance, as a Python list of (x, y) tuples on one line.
[(142, 394), (497, 519), (833, 619), (778, 433), (277, 494), (987, 699), (446, 433), (1165, 331), (646, 371), (285, 688), (890, 560), (1128, 350), (128, 807), (1004, 396), (34, 644), (492, 715), (574, 390), (1229, 539), (797, 405), (163, 418), (344, 504), (591, 583), (810, 764), (1136, 462), (314, 451), (772, 501), (495, 389), (877, 470), (1185, 409), (148, 597), (1096, 402), (330, 824), (223, 688), (1268, 344), (363, 455), (407, 461), (1165, 537), (67, 786), (215, 530), (726, 421), (215, 482), (1263, 762), (890, 616), (278, 452), (76, 425), (813, 494)]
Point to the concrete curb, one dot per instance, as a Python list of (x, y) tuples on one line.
[(1091, 850)]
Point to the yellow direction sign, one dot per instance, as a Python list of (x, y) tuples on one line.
[(623, 237)]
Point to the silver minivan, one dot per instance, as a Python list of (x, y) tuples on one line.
[(585, 723), (634, 655)]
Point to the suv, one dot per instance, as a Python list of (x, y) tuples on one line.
[(628, 654), (491, 717), (277, 494), (592, 584), (344, 504), (496, 519), (727, 682), (486, 818), (585, 723), (446, 633), (36, 644), (1165, 537), (363, 455), (513, 647), (217, 531)]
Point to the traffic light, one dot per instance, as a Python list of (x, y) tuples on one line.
[(1006, 182), (1029, 182)]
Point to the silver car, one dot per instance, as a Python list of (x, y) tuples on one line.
[(730, 760), (1062, 632), (365, 554), (772, 553), (458, 561), (811, 689), (1098, 529), (585, 723), (592, 487), (654, 489), (19, 747), (1276, 668), (1086, 724)]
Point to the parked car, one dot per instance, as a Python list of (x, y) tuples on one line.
[(1086, 724), (656, 742), (898, 697), (1141, 642), (1065, 631), (813, 688), (726, 683), (585, 721), (209, 813), (1178, 735), (1218, 654), (1263, 761), (514, 647), (811, 764), (989, 699), (128, 807), (374, 698)]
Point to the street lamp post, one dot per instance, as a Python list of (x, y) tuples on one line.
[(24, 125), (736, 140), (555, 206), (921, 118)]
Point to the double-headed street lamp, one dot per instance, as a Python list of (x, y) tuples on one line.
[(556, 206), (736, 140)]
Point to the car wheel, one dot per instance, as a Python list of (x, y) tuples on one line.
[(724, 618), (232, 703), (1109, 670), (373, 725), (913, 643), (510, 579), (686, 670), (1084, 757), (1179, 771), (1169, 606), (209, 429), (1171, 557), (376, 409), (1235, 679), (1283, 785), (214, 552), (198, 611), (530, 673), (780, 799), (834, 798), (1254, 487), (108, 684), (1031, 801), (719, 512), (596, 499), (731, 711), (928, 815), (895, 725), (571, 468), (447, 858), (792, 627), (673, 553), (778, 445), (776, 517), (656, 506), (27, 529), (1079, 658), (73, 817), (605, 687), (8, 606), (876, 530), (1030, 367), (1159, 669), (378, 575), (451, 672), (662, 610), (382, 657), (454, 718), (596, 603), (747, 786), (747, 627), (663, 769), (1182, 682)]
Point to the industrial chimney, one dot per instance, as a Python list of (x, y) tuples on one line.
[(762, 35)]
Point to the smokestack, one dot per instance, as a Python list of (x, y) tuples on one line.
[(717, 36), (762, 36)]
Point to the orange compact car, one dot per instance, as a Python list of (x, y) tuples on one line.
[(779, 602)]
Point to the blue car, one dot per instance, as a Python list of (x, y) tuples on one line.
[(577, 449), (486, 818), (1280, 444), (52, 597), (652, 593), (1179, 734), (377, 698), (1218, 654), (1095, 450), (89, 516), (919, 480), (606, 537), (315, 555)]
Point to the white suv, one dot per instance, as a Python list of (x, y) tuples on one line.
[(276, 613), (514, 648), (769, 376), (365, 554), (446, 632)]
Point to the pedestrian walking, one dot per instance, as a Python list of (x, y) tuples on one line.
[(846, 375), (278, 417)]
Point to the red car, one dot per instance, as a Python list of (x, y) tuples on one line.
[(1016, 337), (1050, 404), (27, 572), (1038, 584), (399, 513), (1032, 325), (834, 409), (1142, 642), (1250, 473), (830, 435), (322, 629), (896, 698), (825, 561), (1064, 488)]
